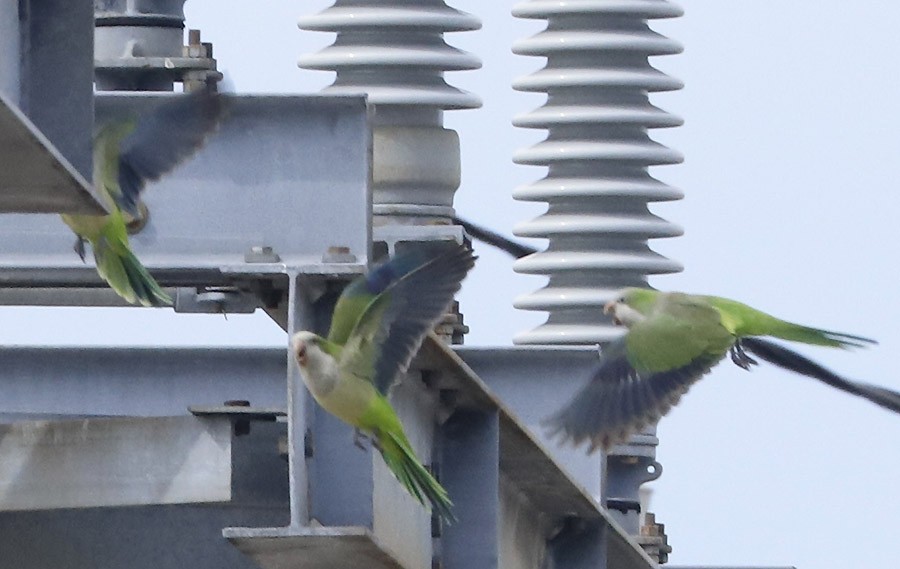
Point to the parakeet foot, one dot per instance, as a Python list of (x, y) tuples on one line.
[(136, 224), (359, 439), (79, 248), (740, 357)]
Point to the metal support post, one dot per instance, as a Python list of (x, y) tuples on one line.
[(57, 70), (470, 459), (340, 473), (299, 318)]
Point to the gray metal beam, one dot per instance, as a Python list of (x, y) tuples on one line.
[(526, 463), (299, 317), (142, 382), (339, 469), (57, 75), (538, 380), (134, 537), (581, 545), (312, 548), (534, 381), (36, 177), (80, 463), (287, 173), (9, 49), (471, 451)]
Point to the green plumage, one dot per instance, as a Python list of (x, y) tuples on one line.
[(742, 320), (681, 328), (107, 234), (674, 339)]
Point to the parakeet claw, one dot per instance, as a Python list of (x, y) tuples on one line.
[(79, 248), (740, 357), (359, 439)]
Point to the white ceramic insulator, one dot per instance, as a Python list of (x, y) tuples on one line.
[(395, 53), (597, 114)]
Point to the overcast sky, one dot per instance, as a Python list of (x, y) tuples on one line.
[(791, 141)]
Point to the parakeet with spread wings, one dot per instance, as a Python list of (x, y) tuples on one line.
[(674, 339), (378, 325)]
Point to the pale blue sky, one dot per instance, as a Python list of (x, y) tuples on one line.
[(791, 140)]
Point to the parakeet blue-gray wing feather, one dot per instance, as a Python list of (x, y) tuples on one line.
[(357, 296), (392, 327), (164, 138), (619, 400), (514, 248)]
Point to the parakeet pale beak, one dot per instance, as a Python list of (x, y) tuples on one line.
[(300, 352), (610, 308)]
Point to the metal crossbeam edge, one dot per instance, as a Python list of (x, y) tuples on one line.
[(43, 180)]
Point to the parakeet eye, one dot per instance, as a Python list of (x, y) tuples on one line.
[(301, 350)]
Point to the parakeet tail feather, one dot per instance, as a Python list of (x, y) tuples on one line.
[(127, 276), (792, 361), (402, 461), (818, 337)]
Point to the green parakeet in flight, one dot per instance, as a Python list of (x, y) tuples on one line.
[(378, 325), (128, 154), (673, 339)]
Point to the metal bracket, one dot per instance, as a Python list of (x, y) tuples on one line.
[(215, 300), (628, 467)]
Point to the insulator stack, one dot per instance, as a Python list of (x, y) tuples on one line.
[(396, 54), (597, 114)]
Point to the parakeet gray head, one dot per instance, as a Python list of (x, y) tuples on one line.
[(306, 346), (631, 305), (318, 367)]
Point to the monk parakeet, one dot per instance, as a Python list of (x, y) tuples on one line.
[(673, 339), (128, 154), (379, 323)]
